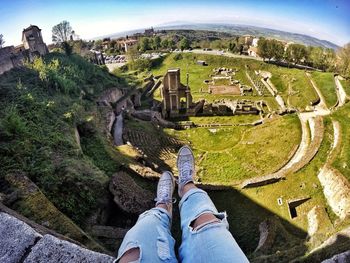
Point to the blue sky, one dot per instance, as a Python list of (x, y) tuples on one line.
[(324, 19)]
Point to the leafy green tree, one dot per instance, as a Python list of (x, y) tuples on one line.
[(236, 45), (67, 48), (264, 49), (98, 44), (184, 43), (165, 43), (61, 32), (171, 44), (343, 60), (141, 64), (315, 56), (276, 49), (329, 59), (2, 41), (296, 53), (145, 44), (156, 43)]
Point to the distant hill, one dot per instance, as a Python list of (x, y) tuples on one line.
[(255, 31), (237, 30)]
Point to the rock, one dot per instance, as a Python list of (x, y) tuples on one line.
[(110, 96), (130, 197), (15, 238), (109, 231), (144, 171), (339, 258), (267, 231), (336, 189), (51, 250)]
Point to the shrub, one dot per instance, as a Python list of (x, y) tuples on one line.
[(178, 56)]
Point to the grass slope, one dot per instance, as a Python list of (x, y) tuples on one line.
[(325, 82), (227, 155), (42, 104)]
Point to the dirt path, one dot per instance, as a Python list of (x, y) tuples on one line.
[(118, 130), (341, 94)]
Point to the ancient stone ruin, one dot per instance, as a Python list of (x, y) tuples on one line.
[(31, 47), (177, 97)]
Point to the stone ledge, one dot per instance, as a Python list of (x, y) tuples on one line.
[(50, 249), (16, 237), (21, 243)]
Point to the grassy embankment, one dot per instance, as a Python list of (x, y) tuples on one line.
[(326, 84), (346, 85), (228, 155), (42, 105), (342, 160)]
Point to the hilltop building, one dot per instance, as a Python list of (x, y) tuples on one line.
[(33, 41), (32, 46), (149, 32)]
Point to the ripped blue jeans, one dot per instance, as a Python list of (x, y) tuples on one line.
[(210, 243)]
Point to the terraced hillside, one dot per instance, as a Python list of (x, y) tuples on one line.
[(282, 175)]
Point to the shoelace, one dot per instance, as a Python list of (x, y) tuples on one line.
[(185, 172), (163, 193)]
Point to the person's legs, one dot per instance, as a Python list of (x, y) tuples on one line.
[(150, 239), (205, 235)]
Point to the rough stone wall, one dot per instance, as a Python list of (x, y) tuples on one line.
[(336, 189), (5, 64), (21, 243)]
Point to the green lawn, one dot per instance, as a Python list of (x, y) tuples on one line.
[(300, 95), (325, 83), (232, 120), (342, 160), (346, 86), (301, 184), (228, 155)]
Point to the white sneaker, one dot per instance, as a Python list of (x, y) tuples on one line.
[(165, 189), (185, 166)]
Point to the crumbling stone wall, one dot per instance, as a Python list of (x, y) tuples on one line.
[(21, 243)]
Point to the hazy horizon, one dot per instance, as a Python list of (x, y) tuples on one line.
[(326, 20)]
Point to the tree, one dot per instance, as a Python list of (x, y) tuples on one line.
[(156, 43), (276, 49), (184, 43), (98, 44), (171, 44), (343, 60), (315, 56), (61, 32), (296, 53), (144, 44), (67, 48), (2, 41), (263, 48), (165, 43)]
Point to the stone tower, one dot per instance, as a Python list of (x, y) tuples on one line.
[(33, 41), (177, 98)]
